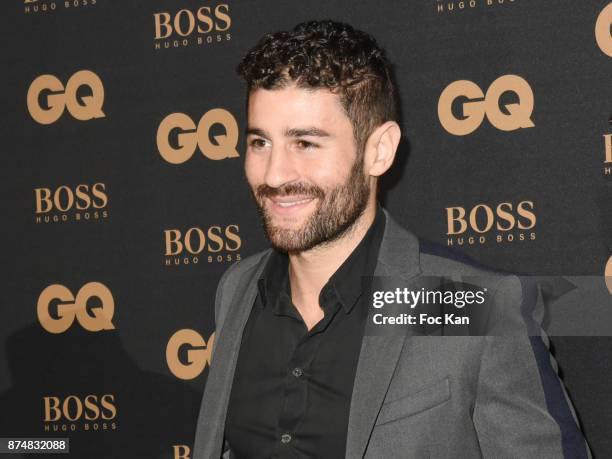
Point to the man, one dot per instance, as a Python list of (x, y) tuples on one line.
[(293, 372)]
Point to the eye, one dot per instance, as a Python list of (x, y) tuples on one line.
[(257, 143), (305, 145)]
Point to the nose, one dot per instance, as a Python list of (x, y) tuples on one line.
[(280, 168)]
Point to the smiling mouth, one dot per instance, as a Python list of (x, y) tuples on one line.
[(290, 202)]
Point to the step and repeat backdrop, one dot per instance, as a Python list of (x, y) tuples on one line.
[(124, 198)]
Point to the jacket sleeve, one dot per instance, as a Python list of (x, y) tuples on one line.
[(522, 408), (226, 451), (219, 299)]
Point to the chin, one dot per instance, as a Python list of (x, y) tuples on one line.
[(285, 232), (288, 222)]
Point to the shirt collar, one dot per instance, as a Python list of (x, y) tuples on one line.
[(347, 281), (345, 284)]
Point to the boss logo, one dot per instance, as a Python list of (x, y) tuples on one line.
[(185, 247), (195, 240), (185, 22), (189, 137), (503, 217), (607, 164), (64, 198), (72, 307), (57, 98), (480, 104), (181, 452), (507, 222), (34, 6), (72, 408)]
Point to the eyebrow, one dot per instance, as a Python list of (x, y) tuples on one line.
[(257, 131), (293, 132), (306, 132)]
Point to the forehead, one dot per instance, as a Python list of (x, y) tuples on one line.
[(292, 105)]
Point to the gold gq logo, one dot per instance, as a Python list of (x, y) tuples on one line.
[(71, 308), (608, 275), (603, 35), (480, 104), (191, 136), (199, 353), (59, 97)]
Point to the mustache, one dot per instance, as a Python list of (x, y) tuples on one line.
[(301, 189)]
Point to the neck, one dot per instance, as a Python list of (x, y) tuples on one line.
[(310, 270)]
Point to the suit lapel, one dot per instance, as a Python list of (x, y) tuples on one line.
[(399, 257)]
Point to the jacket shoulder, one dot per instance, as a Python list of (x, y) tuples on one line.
[(437, 259), (229, 281), (237, 269)]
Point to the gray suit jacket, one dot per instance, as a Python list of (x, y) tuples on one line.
[(418, 396)]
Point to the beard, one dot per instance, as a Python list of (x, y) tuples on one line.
[(337, 211)]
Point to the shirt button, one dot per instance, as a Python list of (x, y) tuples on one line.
[(286, 438), (297, 372)]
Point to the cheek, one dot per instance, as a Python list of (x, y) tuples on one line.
[(253, 169), (330, 170)]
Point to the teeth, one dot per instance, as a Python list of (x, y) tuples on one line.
[(294, 203)]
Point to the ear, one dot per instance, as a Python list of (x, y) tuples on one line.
[(381, 148)]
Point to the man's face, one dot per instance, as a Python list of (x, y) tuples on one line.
[(302, 166)]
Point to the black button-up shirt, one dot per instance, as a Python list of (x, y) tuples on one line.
[(292, 387)]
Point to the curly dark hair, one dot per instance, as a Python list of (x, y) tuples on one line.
[(333, 55)]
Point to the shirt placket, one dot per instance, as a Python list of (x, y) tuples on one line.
[(296, 381)]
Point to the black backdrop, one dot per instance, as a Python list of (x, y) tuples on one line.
[(119, 221)]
